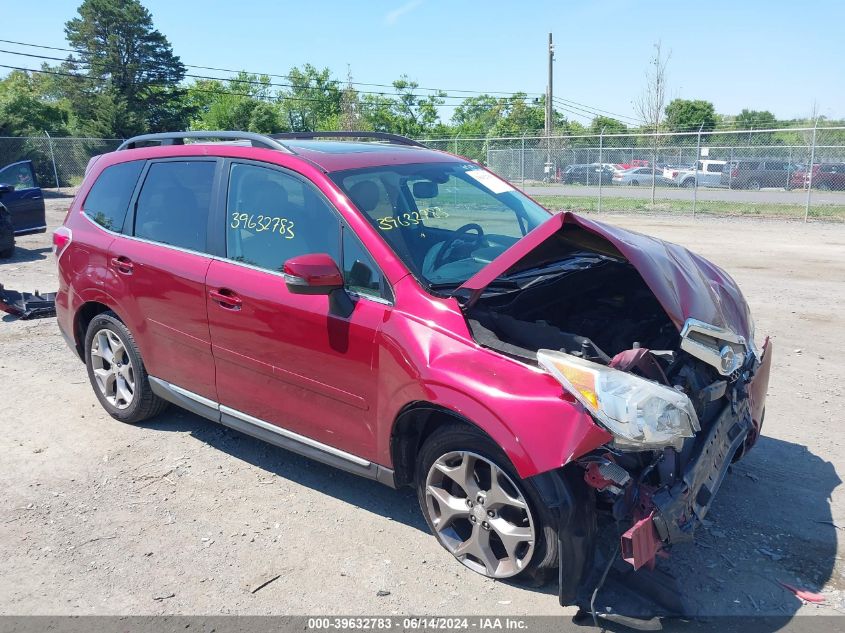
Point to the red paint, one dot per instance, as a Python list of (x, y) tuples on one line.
[(316, 271), (640, 543), (685, 284)]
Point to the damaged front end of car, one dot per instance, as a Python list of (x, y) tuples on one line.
[(656, 344)]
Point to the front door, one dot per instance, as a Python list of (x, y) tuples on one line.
[(159, 272), (26, 202), (284, 358)]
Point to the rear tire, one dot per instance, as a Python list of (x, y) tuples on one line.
[(689, 183), (117, 373), (753, 184), (499, 526), (635, 183), (6, 254)]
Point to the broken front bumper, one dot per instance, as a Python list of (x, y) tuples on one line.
[(678, 508)]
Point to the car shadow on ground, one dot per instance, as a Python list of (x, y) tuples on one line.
[(23, 255), (771, 523), (398, 505)]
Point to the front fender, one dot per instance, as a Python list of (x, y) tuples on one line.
[(523, 409)]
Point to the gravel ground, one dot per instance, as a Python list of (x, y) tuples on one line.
[(183, 516)]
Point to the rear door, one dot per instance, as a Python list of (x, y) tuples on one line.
[(26, 202), (158, 270), (284, 359)]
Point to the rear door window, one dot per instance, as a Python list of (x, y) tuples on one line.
[(108, 200), (174, 202), (714, 168)]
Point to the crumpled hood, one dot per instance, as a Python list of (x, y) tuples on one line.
[(685, 284)]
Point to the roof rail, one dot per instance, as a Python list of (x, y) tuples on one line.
[(178, 138), (395, 139)]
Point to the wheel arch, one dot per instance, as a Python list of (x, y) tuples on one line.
[(83, 317), (414, 423)]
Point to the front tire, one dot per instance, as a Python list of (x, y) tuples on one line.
[(117, 373), (480, 510)]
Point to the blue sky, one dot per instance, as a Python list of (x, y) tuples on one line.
[(775, 55)]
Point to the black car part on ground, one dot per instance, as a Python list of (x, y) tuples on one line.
[(28, 305)]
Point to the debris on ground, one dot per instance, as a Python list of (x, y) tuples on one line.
[(266, 580), (381, 593), (806, 596), (28, 305)]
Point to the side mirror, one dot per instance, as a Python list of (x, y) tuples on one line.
[(4, 188), (313, 274)]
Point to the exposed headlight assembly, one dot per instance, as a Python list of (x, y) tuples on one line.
[(641, 414)]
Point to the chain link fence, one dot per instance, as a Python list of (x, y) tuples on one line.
[(58, 162), (723, 172)]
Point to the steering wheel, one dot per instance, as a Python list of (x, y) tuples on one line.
[(440, 258)]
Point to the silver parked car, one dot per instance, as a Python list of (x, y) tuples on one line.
[(639, 176)]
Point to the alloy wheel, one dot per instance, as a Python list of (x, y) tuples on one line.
[(479, 514), (114, 372)]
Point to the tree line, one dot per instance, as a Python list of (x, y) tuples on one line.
[(121, 77)]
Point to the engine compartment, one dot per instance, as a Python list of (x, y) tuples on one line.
[(596, 310)]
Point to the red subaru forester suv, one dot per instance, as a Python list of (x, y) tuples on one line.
[(406, 315)]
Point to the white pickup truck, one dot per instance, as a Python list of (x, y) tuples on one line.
[(709, 174)]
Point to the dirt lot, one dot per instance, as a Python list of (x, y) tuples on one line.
[(183, 516)]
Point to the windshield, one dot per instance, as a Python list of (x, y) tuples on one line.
[(446, 221)]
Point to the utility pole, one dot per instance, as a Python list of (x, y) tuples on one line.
[(550, 91), (549, 116)]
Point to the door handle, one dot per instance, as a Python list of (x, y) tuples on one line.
[(225, 298), (122, 265)]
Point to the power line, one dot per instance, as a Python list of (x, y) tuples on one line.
[(289, 77)]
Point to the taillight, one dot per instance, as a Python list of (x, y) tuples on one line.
[(674, 174), (734, 173), (62, 238)]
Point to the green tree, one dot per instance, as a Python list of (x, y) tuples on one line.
[(406, 112), (313, 101), (245, 102), (134, 75), (684, 115), (608, 124), (476, 116), (759, 119), (518, 116), (26, 111)]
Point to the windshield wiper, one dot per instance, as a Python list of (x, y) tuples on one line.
[(501, 283)]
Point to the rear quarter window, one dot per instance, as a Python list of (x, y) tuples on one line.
[(108, 200)]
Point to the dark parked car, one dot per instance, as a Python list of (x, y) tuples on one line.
[(826, 176), (756, 173), (21, 195), (407, 315), (7, 233), (588, 174)]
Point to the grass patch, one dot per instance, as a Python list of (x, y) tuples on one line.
[(835, 213)]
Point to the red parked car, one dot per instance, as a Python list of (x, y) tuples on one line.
[(405, 314), (826, 176)]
